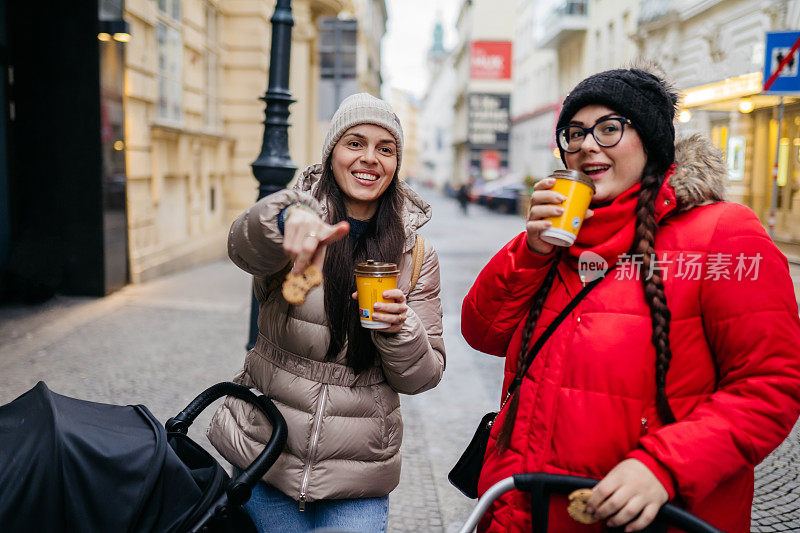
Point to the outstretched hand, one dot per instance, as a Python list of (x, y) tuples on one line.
[(306, 236), (628, 491)]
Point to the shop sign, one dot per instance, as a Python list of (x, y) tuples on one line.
[(490, 60), (781, 73), (488, 117), (490, 164), (736, 87)]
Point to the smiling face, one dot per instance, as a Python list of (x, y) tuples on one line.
[(614, 169), (364, 162)]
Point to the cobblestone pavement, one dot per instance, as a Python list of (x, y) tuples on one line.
[(163, 342), (159, 344), (776, 505), (414, 506)]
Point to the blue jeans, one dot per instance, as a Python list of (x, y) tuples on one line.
[(274, 512)]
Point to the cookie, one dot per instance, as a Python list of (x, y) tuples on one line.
[(577, 506), (296, 286)]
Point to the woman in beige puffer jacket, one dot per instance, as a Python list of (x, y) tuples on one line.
[(335, 383)]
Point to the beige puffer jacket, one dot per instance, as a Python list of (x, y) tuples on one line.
[(344, 429)]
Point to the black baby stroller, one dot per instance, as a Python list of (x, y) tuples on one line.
[(540, 486), (73, 465)]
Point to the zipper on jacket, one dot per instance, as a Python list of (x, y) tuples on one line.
[(313, 448)]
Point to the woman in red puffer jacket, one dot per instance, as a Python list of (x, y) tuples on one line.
[(680, 371)]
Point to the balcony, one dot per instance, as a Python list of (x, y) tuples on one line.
[(651, 10), (567, 20)]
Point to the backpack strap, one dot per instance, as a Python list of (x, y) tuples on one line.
[(416, 261)]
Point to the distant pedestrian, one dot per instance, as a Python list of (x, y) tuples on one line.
[(463, 197), (335, 382), (671, 380)]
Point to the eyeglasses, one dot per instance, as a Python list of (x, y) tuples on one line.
[(607, 133)]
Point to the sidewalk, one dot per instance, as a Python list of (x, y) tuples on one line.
[(158, 344), (163, 342)]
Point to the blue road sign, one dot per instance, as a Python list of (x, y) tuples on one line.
[(779, 45)]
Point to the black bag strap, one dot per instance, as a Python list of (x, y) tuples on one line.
[(549, 331)]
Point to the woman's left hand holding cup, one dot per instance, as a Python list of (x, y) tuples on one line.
[(306, 235), (394, 313)]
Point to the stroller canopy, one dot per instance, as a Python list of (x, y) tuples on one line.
[(74, 465)]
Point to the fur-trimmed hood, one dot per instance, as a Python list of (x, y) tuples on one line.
[(416, 212), (700, 173)]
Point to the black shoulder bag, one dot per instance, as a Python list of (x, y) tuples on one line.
[(464, 475)]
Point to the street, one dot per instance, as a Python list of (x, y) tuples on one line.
[(163, 342)]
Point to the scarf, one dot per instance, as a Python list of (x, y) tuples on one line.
[(609, 233)]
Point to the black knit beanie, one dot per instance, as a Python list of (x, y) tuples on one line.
[(644, 98)]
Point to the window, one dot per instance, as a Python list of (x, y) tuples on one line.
[(171, 8), (169, 45), (337, 50)]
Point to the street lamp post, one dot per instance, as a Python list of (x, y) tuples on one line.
[(274, 167)]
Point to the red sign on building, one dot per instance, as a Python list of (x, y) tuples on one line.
[(490, 163), (490, 60)]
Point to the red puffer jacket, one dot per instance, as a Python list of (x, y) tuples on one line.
[(588, 400)]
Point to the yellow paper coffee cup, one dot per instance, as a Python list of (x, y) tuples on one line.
[(579, 189), (372, 278)]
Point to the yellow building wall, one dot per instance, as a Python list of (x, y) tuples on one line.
[(188, 179)]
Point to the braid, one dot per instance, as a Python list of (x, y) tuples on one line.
[(504, 437), (644, 247), (536, 307)]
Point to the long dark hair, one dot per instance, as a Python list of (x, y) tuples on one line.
[(382, 241), (660, 316), (644, 246)]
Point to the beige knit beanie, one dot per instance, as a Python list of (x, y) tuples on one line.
[(362, 108)]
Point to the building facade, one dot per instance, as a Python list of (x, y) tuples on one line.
[(195, 70), (715, 51), (407, 109), (483, 71), (558, 43), (371, 16), (350, 60), (610, 32), (535, 99), (142, 151), (437, 115)]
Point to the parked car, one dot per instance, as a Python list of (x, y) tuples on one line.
[(501, 194)]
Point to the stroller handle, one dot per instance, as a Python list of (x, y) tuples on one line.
[(242, 485), (541, 485)]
